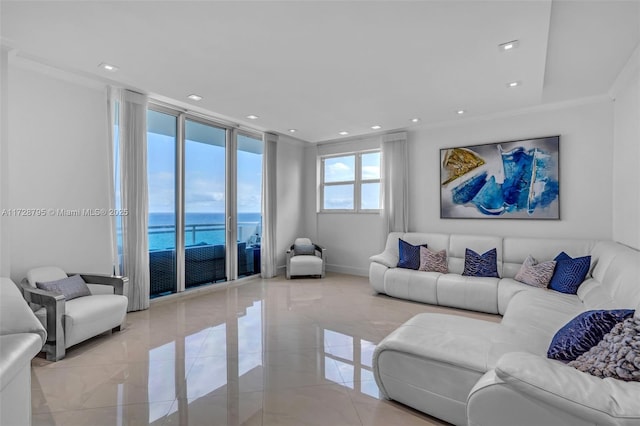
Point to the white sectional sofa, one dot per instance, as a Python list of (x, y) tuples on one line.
[(21, 338), (469, 371)]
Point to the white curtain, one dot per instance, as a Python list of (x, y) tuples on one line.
[(269, 200), (133, 195), (395, 183)]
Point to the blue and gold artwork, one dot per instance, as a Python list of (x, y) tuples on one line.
[(503, 180)]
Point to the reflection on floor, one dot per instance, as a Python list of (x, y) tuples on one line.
[(266, 352)]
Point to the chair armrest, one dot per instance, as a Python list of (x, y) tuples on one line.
[(117, 282), (322, 250), (565, 388), (54, 304)]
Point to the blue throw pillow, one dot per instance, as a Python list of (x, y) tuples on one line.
[(409, 255), (569, 273), (484, 265), (584, 332)]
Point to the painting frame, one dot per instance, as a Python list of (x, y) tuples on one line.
[(517, 179)]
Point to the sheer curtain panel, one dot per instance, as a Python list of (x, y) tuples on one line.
[(131, 143), (395, 183), (269, 200)]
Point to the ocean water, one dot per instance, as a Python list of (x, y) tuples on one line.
[(200, 228)]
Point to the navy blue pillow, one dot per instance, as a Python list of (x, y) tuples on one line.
[(409, 255), (569, 273), (584, 332), (485, 265)]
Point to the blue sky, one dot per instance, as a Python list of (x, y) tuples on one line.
[(204, 170)]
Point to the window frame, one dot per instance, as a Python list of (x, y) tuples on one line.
[(357, 182)]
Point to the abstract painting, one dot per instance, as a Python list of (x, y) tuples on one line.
[(508, 180)]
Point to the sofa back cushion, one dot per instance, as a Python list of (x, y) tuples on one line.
[(459, 243), (615, 281), (516, 251)]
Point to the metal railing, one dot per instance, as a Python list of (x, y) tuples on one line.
[(200, 233)]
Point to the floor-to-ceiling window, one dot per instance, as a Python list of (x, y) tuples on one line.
[(162, 145), (205, 179), (248, 202)]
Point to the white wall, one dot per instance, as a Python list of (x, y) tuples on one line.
[(350, 239), (586, 161), (290, 180), (626, 153), (57, 160)]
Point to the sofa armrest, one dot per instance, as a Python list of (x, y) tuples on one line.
[(386, 258), (565, 389)]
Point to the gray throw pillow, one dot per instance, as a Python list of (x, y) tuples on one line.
[(71, 287), (304, 249), (617, 355)]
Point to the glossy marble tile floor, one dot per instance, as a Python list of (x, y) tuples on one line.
[(264, 352)]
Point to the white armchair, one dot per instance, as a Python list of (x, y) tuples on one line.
[(103, 307), (305, 258)]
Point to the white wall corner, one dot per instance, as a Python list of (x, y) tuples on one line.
[(629, 73)]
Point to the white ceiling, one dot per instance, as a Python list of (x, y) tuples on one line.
[(328, 66)]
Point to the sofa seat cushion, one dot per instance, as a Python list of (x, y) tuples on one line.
[(539, 315), (432, 361), (473, 293), (413, 285), (509, 287)]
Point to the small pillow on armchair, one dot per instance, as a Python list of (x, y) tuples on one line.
[(71, 287), (304, 249)]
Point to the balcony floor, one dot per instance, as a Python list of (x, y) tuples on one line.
[(265, 352)]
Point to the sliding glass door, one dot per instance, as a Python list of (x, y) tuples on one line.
[(205, 180), (162, 143), (205, 234)]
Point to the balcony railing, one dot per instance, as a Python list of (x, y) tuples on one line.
[(162, 237)]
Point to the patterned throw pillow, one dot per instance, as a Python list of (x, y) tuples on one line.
[(569, 273), (70, 287), (584, 332), (433, 261), (616, 356), (409, 255), (485, 265), (534, 273)]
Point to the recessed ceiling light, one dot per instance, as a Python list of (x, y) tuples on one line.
[(343, 133), (460, 111), (514, 84), (108, 67), (376, 127), (195, 97), (508, 46), (415, 120), (252, 117), (292, 130)]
